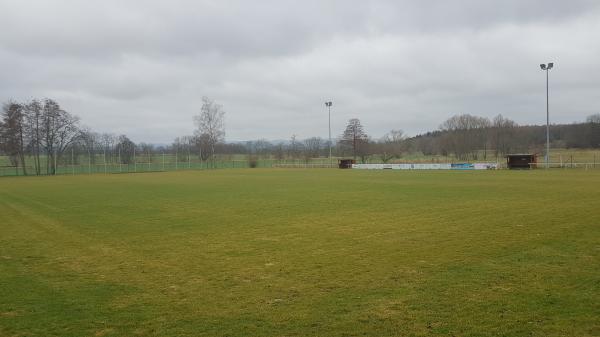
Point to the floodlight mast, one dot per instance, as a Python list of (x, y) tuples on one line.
[(547, 68), (328, 105)]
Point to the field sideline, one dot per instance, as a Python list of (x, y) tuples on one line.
[(278, 252)]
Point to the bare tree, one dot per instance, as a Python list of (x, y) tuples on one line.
[(146, 150), (593, 130), (503, 132), (60, 129), (465, 135), (109, 142), (125, 148), (482, 130), (12, 134), (90, 142), (190, 146), (37, 126), (312, 147), (279, 151), (593, 119), (204, 147), (355, 138), (211, 124), (261, 147), (392, 145), (34, 122), (295, 147), (185, 146)]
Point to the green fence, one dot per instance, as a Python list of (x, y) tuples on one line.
[(156, 164), (100, 163)]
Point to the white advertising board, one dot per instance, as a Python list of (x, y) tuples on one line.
[(420, 166)]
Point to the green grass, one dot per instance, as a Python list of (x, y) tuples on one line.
[(272, 252)]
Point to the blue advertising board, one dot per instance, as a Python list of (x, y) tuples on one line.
[(462, 166)]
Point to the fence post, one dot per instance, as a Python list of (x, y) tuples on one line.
[(134, 161), (561, 161), (571, 161)]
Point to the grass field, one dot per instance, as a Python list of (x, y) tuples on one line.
[(272, 252)]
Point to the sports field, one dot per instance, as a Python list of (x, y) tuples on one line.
[(276, 252)]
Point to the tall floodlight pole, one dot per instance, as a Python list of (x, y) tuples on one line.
[(547, 69), (328, 104)]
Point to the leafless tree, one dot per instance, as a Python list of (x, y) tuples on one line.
[(482, 130), (503, 133), (465, 135), (593, 119), (185, 146), (190, 145), (211, 124), (312, 147), (279, 151), (60, 129), (34, 121), (593, 130), (12, 134), (294, 147), (109, 142), (392, 145), (261, 147), (125, 148), (146, 150), (90, 143), (203, 145), (355, 138)]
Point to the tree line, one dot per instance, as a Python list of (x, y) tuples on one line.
[(464, 137), (37, 128), (39, 135), (469, 137)]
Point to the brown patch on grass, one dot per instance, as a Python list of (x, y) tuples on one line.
[(10, 314), (104, 332), (390, 309)]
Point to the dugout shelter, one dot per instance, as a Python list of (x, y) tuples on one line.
[(521, 161)]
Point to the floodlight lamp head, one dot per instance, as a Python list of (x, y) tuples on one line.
[(550, 65), (543, 66)]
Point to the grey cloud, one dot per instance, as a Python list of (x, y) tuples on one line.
[(244, 28), (141, 67)]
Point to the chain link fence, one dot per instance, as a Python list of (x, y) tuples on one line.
[(72, 165)]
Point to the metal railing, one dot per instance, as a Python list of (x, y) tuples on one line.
[(566, 165)]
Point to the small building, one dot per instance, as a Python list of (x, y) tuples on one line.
[(521, 161), (346, 163)]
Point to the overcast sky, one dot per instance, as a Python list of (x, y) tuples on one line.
[(141, 67)]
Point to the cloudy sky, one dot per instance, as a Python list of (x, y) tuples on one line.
[(142, 67)]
